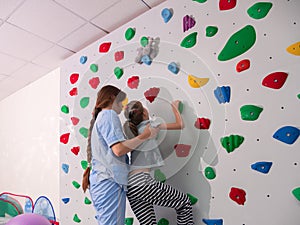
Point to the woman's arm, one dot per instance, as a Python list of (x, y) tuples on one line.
[(178, 124)]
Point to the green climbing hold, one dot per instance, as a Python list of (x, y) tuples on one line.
[(189, 41), (76, 218), (200, 1), (129, 34), (84, 132), (159, 176), (129, 221), (84, 164), (192, 198), (163, 221), (76, 184), (259, 10), (65, 109), (296, 193), (94, 68), (232, 142), (118, 72), (211, 31), (298, 96), (144, 41), (87, 201), (180, 107), (250, 112), (238, 43), (209, 173), (84, 102)]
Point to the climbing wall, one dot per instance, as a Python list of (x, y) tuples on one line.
[(235, 67)]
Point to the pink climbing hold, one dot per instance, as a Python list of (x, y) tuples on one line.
[(74, 78), (119, 56), (94, 82), (275, 80), (243, 65), (74, 120), (202, 123), (188, 23), (104, 47), (73, 92), (238, 195), (64, 138), (182, 150), (133, 82), (227, 4), (151, 94)]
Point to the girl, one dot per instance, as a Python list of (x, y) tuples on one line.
[(106, 151), (144, 191)]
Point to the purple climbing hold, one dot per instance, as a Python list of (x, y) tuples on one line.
[(222, 94), (263, 167), (287, 134), (188, 23)]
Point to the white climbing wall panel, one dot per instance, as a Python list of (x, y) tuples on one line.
[(241, 117)]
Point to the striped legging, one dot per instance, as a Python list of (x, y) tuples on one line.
[(144, 192)]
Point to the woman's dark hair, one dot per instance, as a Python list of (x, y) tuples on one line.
[(133, 112), (106, 96)]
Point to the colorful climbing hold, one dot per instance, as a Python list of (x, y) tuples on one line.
[(75, 150), (65, 109), (76, 218), (84, 132), (200, 1), (119, 55), (83, 59), (298, 96), (238, 43), (213, 221), (87, 201), (84, 102), (133, 82), (188, 22), (192, 198), (94, 67), (189, 41), (159, 176), (151, 94), (166, 14), (180, 107), (230, 143), (75, 120), (238, 195), (64, 138), (146, 60), (263, 167), (275, 80), (76, 184), (118, 72), (250, 112), (73, 92), (173, 67), (65, 167), (259, 10), (222, 94), (294, 49), (129, 221), (209, 173), (84, 164), (202, 123), (227, 4), (182, 150), (94, 82), (287, 134), (196, 82), (104, 47), (211, 31), (129, 34), (296, 193), (144, 41), (74, 78), (242, 65), (65, 200), (163, 221)]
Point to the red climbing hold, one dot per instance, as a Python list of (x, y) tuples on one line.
[(119, 56), (182, 150), (133, 82), (243, 65), (275, 80), (64, 138), (75, 150), (104, 47), (94, 82), (238, 195), (202, 123), (74, 78), (73, 92), (151, 94), (227, 4), (74, 120)]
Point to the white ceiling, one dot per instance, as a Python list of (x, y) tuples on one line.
[(37, 35)]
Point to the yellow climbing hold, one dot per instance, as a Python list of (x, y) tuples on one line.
[(197, 82), (294, 49), (125, 102)]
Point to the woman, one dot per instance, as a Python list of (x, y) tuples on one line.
[(106, 152)]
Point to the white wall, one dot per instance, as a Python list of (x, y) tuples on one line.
[(29, 137)]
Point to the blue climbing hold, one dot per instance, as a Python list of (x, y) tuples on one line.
[(287, 134), (65, 200), (173, 67), (166, 14), (65, 167), (222, 94), (83, 59), (213, 221), (146, 59), (263, 167)]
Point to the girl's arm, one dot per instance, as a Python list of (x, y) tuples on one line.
[(178, 124)]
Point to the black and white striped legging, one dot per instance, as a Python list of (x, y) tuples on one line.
[(144, 192)]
